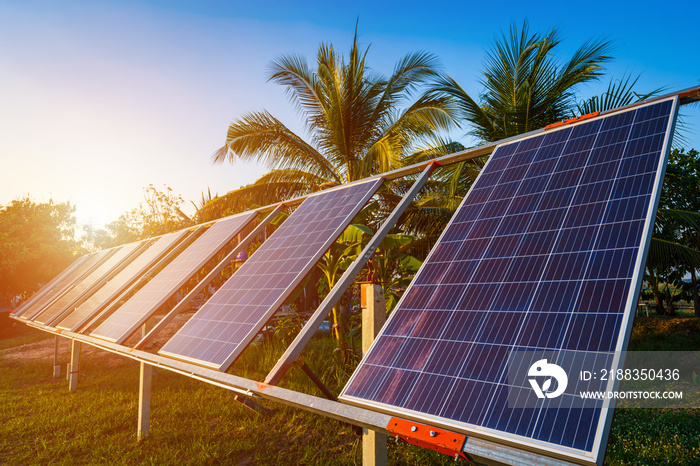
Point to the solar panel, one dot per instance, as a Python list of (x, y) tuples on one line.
[(545, 253), (76, 290), (50, 286), (60, 287), (226, 324), (133, 313), (81, 314)]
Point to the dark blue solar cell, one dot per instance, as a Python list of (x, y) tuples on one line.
[(520, 421), (472, 412), (486, 362), (422, 397), (464, 326), (430, 324), (513, 296), (524, 204), (542, 330), (549, 263), (445, 359), (395, 389), (499, 327)]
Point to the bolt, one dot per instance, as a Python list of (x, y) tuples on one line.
[(433, 433), (414, 428)]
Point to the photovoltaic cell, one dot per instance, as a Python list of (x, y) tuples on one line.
[(110, 290), (137, 309), (62, 286), (74, 293), (228, 322), (545, 253)]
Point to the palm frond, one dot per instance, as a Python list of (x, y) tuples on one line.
[(302, 86), (261, 137), (685, 218), (664, 254)]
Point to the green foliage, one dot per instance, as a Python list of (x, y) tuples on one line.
[(288, 325), (36, 242), (650, 437), (158, 214), (675, 248), (525, 86)]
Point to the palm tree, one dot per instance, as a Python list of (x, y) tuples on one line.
[(359, 123), (524, 86)]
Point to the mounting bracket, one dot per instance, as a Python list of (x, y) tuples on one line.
[(430, 437)]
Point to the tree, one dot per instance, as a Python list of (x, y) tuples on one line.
[(525, 87), (37, 241), (158, 214), (359, 124), (676, 242)]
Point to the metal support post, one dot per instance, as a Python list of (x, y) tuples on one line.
[(74, 366), (374, 444), (56, 365), (146, 376)]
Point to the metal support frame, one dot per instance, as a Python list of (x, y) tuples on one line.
[(182, 305), (374, 443), (56, 365), (306, 333), (145, 379), (74, 366), (319, 384), (478, 450)]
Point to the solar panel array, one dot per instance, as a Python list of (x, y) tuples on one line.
[(544, 253), (228, 322), (63, 284), (72, 295), (51, 287), (137, 309), (81, 314)]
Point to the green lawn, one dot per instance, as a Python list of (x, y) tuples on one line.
[(195, 423)]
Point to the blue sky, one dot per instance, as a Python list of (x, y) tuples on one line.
[(99, 99)]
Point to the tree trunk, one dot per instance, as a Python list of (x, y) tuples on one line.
[(696, 301), (658, 299), (669, 301), (339, 331)]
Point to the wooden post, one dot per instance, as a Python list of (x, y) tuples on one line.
[(56, 365), (144, 400), (374, 444), (74, 366)]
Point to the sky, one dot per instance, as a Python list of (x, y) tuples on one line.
[(100, 99)]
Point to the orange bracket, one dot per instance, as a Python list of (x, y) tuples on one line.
[(424, 436), (572, 120)]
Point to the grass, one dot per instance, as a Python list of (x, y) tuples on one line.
[(191, 422), (195, 423)]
